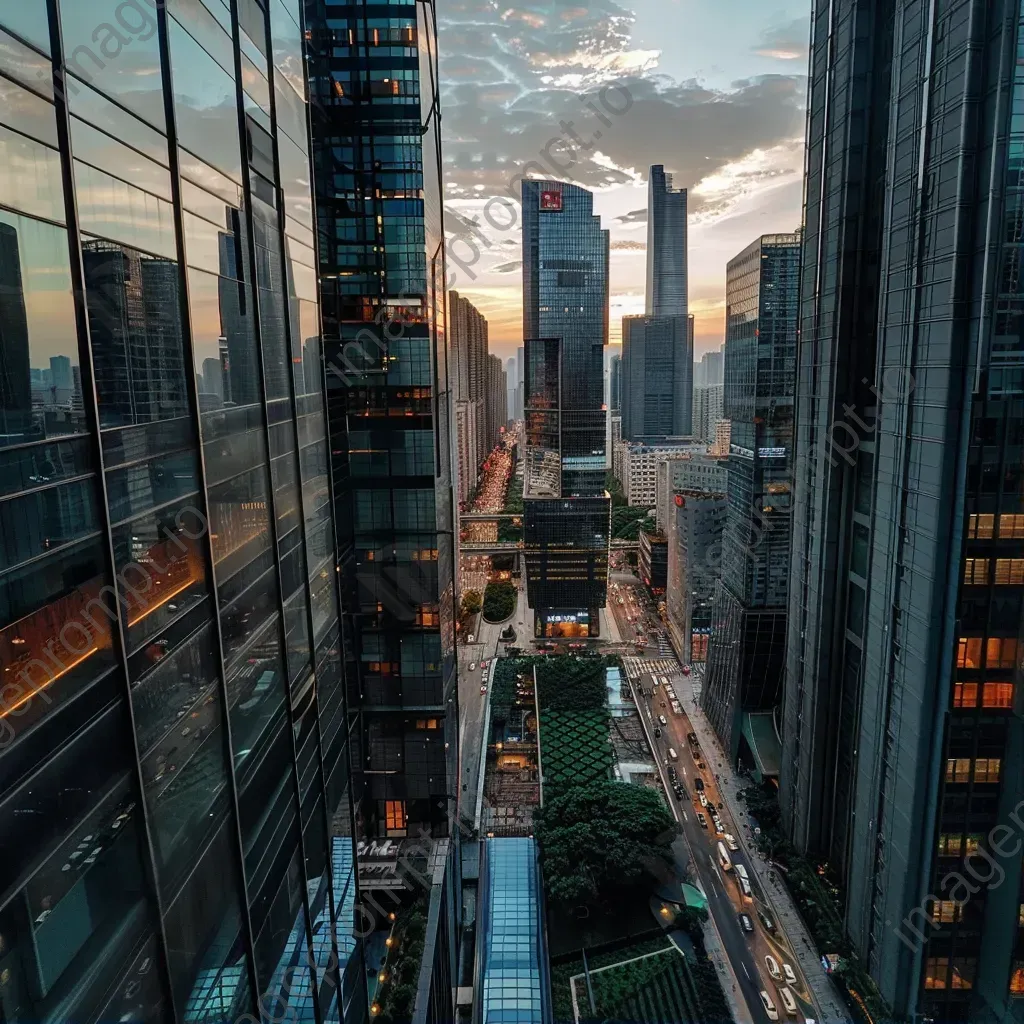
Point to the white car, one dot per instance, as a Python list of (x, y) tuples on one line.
[(789, 973), (787, 1000), (730, 841), (663, 719), (472, 666), (769, 1006), (703, 799), (773, 967)]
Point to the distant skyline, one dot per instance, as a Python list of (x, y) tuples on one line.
[(722, 109)]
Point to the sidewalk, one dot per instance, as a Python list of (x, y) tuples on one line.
[(830, 1004)]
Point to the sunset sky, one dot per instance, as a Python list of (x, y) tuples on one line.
[(713, 89)]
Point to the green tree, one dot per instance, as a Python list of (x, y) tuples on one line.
[(472, 602), (499, 601), (601, 839)]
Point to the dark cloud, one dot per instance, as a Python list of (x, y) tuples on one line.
[(634, 217), (786, 42), (538, 67), (507, 268)]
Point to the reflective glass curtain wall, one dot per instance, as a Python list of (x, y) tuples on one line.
[(175, 818), (383, 288), (902, 763), (745, 655), (565, 326)]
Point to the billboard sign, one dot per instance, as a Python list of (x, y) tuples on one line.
[(551, 199)]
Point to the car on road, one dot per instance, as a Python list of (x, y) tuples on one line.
[(766, 920), (483, 664), (672, 773), (698, 784), (789, 973), (745, 889), (663, 719), (472, 666), (773, 967), (787, 1000), (657, 733), (703, 799), (730, 841), (746, 924), (769, 1006), (701, 820), (719, 827), (483, 689), (680, 791)]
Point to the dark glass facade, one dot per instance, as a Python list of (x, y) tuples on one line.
[(656, 378), (377, 155), (902, 760), (657, 348), (175, 817), (565, 326), (745, 656)]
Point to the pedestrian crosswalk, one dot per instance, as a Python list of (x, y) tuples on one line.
[(636, 667)]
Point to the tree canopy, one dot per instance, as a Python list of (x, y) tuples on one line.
[(601, 838)]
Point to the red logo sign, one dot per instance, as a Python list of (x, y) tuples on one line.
[(551, 199), (680, 501)]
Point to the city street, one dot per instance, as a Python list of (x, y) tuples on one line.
[(746, 952)]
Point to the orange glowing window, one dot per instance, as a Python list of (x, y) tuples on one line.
[(965, 695), (1000, 652), (1012, 526), (394, 814), (997, 695), (975, 571), (1017, 979), (980, 527), (968, 653)]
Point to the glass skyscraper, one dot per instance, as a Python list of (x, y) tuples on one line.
[(902, 764), (745, 655), (377, 156), (657, 348), (175, 817), (567, 518)]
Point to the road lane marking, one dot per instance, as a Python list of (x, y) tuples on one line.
[(746, 972), (685, 818)]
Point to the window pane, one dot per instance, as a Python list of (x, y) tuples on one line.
[(30, 178), (205, 103), (28, 20), (135, 327), (113, 47)]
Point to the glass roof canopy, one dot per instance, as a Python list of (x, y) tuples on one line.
[(514, 956)]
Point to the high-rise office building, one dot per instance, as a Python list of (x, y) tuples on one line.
[(696, 519), (745, 658), (468, 332), (902, 758), (567, 518), (707, 372), (615, 383), (390, 371), (495, 403), (511, 394), (175, 819), (657, 348), (666, 293), (656, 389), (520, 381), (15, 376)]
